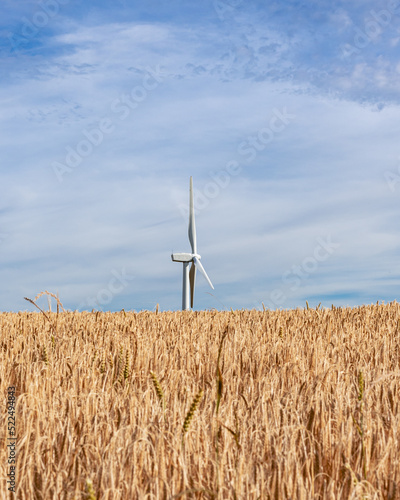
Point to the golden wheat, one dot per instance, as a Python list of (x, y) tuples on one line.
[(296, 404)]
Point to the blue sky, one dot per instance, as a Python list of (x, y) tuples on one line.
[(286, 114)]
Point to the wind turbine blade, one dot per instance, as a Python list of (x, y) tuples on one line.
[(202, 270), (192, 225), (192, 277)]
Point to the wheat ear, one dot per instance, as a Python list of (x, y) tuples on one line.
[(90, 494), (158, 388), (126, 367), (190, 413)]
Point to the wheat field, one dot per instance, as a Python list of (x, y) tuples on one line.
[(299, 404)]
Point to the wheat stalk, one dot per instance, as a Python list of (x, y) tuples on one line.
[(45, 355), (126, 367), (120, 369), (191, 412), (158, 388)]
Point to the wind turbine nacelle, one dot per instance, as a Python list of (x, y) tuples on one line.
[(182, 257)]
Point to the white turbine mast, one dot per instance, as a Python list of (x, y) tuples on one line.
[(189, 276)]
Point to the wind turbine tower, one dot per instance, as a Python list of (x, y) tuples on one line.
[(189, 275)]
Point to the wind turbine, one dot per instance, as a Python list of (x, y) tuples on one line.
[(189, 276)]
